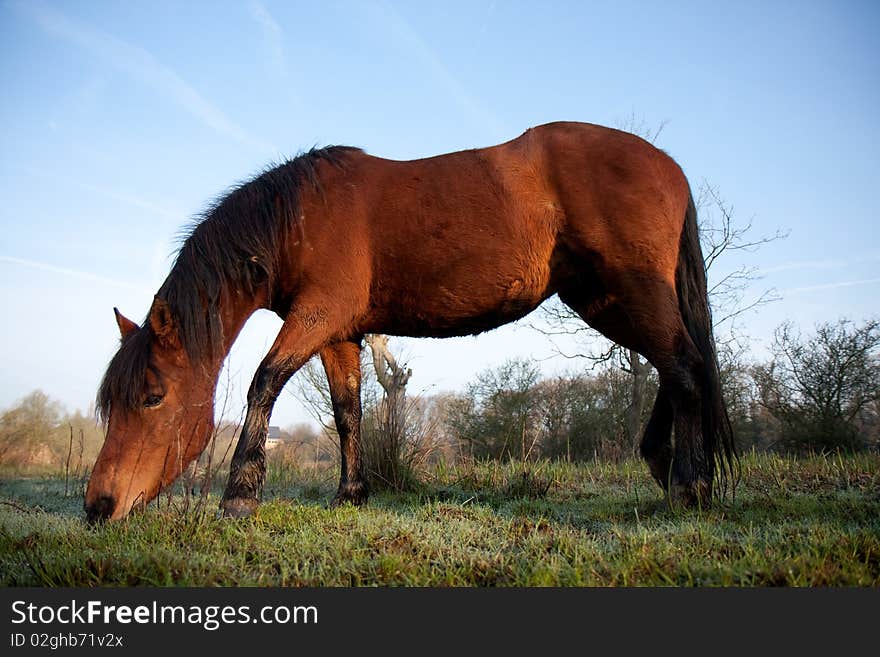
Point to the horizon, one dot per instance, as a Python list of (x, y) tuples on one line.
[(123, 121)]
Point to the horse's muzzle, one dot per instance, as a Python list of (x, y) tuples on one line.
[(101, 509)]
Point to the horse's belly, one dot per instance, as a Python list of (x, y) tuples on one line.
[(454, 308), (486, 272)]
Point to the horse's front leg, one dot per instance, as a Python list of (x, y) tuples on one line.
[(300, 337), (342, 364), (247, 472)]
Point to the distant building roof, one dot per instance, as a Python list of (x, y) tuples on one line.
[(274, 433)]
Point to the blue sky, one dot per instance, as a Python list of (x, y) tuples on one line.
[(120, 121)]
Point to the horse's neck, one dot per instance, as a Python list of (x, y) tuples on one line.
[(235, 310)]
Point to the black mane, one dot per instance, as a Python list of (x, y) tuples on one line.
[(237, 241)]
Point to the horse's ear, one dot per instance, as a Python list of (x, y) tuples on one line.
[(162, 323), (126, 326)]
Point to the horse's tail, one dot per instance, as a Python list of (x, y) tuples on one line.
[(693, 301)]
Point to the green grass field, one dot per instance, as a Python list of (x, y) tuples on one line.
[(812, 522)]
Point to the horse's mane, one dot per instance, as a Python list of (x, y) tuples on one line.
[(236, 242)]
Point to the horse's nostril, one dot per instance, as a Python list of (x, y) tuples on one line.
[(100, 509)]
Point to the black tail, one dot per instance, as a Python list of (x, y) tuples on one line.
[(693, 302)]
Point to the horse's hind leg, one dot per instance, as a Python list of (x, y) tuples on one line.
[(656, 445), (613, 323), (342, 364), (645, 316), (653, 309)]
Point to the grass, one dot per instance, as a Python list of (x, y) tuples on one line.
[(807, 522)]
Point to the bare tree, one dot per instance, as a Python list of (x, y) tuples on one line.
[(498, 416), (723, 237), (392, 377), (398, 434), (822, 389)]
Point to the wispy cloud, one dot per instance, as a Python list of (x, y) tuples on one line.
[(113, 194), (163, 249), (830, 286), (70, 273), (490, 10), (822, 263), (138, 63), (420, 49), (273, 35)]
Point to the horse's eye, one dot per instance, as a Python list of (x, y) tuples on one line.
[(152, 400)]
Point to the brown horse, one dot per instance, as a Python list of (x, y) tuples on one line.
[(340, 244)]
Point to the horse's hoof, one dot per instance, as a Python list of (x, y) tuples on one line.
[(352, 493), (695, 495), (239, 508)]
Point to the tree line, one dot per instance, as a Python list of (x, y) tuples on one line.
[(38, 434), (815, 393)]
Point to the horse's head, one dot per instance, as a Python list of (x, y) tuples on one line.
[(158, 409)]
